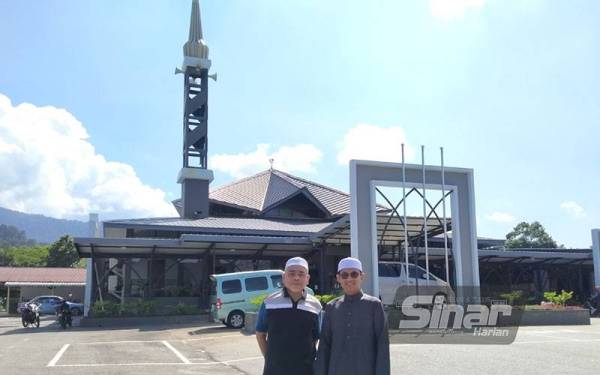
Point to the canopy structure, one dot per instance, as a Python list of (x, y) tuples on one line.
[(390, 230), (194, 246)]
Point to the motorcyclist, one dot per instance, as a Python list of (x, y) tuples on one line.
[(65, 310), (593, 302), (596, 298)]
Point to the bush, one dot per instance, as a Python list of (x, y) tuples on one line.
[(512, 297), (145, 308), (325, 298), (185, 309), (102, 309), (106, 309), (558, 299)]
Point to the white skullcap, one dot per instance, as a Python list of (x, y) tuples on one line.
[(349, 263), (297, 261)]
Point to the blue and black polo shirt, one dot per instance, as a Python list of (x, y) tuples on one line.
[(292, 329)]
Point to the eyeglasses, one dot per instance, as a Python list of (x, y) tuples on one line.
[(352, 275), (299, 274)]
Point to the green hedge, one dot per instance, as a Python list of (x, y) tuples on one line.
[(139, 308)]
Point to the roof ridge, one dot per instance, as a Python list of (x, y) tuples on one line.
[(313, 183), (240, 181), (286, 177), (264, 198), (294, 186)]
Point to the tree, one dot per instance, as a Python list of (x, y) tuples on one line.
[(62, 253), (526, 235), (11, 236), (35, 256)]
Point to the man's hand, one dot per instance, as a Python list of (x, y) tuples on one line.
[(261, 338)]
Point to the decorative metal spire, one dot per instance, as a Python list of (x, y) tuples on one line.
[(195, 46), (195, 176)]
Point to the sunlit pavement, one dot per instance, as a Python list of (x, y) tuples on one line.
[(215, 349)]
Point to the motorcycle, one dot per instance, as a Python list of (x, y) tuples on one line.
[(30, 315), (593, 304), (64, 318)]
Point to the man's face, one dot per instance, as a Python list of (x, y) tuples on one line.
[(350, 279), (295, 278)]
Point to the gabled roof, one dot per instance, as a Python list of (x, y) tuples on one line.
[(41, 275), (269, 188)]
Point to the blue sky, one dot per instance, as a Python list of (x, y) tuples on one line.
[(509, 88)]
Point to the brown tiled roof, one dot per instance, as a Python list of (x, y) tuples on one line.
[(39, 274), (265, 189)]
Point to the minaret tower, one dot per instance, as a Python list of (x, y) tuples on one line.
[(194, 176)]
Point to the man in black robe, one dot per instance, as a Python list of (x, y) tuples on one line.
[(354, 337)]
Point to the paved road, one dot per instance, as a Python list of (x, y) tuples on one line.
[(214, 349)]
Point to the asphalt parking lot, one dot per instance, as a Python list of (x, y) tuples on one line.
[(215, 349)]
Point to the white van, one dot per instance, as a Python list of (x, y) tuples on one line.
[(231, 293), (392, 275)]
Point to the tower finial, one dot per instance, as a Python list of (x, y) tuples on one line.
[(195, 46), (271, 161)]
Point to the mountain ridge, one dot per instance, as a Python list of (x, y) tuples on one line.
[(43, 229)]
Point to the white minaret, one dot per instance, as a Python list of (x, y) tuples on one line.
[(195, 176)]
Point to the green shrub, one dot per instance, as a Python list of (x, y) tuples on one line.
[(145, 308), (106, 309), (129, 309), (101, 309), (325, 298), (512, 297), (558, 299), (185, 309)]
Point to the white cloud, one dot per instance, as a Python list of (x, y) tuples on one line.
[(573, 209), (298, 158), (372, 142), (449, 10), (501, 217), (48, 166)]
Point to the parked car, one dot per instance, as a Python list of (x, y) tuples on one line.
[(392, 276), (48, 304), (231, 293)]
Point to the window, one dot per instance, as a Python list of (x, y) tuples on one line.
[(277, 282), (231, 286), (414, 272), (389, 270), (256, 283), (40, 300)]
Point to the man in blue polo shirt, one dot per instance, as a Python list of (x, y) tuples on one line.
[(287, 327)]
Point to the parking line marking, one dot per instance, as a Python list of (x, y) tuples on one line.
[(177, 353), (118, 342), (212, 337), (131, 364), (185, 341), (54, 360), (211, 363), (243, 359)]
